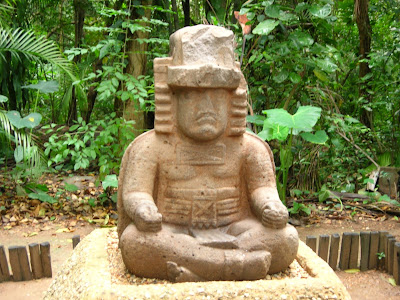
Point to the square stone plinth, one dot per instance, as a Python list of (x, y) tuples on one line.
[(87, 275)]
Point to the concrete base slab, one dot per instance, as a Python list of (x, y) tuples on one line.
[(86, 275)]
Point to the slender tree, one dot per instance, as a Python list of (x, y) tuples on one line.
[(365, 34)]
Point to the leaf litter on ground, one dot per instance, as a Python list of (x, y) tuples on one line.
[(52, 199)]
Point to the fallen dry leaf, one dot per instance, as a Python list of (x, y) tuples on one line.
[(62, 230), (242, 19)]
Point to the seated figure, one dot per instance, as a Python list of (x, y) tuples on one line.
[(197, 196)]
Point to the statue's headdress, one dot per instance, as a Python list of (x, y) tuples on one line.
[(201, 56)]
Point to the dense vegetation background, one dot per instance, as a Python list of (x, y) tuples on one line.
[(76, 84)]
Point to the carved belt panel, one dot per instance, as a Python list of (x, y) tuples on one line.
[(201, 208)]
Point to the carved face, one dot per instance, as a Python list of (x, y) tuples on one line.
[(202, 113)]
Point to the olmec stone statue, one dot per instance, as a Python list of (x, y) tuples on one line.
[(197, 195)]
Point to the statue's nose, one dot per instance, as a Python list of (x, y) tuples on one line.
[(206, 103)]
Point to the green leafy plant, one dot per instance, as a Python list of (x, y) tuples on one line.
[(381, 255), (100, 144), (39, 191), (299, 208), (13, 130), (282, 126)]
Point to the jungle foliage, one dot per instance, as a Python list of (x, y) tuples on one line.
[(76, 82)]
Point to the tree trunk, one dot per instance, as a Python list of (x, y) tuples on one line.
[(186, 12), (365, 34), (175, 10), (92, 94), (79, 18), (137, 60)]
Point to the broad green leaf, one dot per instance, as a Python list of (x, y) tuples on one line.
[(104, 51), (71, 187), (323, 195), (286, 157), (326, 65), (282, 49), (15, 119), (318, 48), (320, 12), (301, 39), (115, 82), (33, 187), (274, 131), (110, 180), (265, 27), (301, 7), (320, 137), (266, 135), (32, 120), (260, 18), (284, 16), (45, 87), (266, 3), (384, 197), (244, 10), (294, 77), (125, 96), (19, 154), (272, 11), (42, 196), (256, 119), (3, 99), (114, 197), (303, 120), (281, 77), (320, 75)]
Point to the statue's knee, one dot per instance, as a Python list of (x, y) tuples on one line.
[(285, 249)]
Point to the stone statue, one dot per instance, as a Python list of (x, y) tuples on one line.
[(197, 196)]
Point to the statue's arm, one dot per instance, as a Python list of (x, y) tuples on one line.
[(137, 191), (261, 184)]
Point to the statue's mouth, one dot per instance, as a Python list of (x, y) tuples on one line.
[(206, 118)]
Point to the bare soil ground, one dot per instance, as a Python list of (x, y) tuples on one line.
[(60, 248), (369, 285), (362, 285)]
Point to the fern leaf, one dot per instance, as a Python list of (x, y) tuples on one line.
[(31, 151)]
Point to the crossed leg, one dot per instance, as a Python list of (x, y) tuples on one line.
[(174, 255)]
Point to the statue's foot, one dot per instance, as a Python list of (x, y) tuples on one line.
[(242, 265), (256, 265), (177, 273)]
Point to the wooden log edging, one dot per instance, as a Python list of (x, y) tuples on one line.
[(25, 267), (379, 250), (75, 240)]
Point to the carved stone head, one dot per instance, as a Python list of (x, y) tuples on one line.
[(200, 90)]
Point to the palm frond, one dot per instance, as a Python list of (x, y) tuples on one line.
[(6, 12), (21, 42), (22, 140)]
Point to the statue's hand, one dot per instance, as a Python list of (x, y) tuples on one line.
[(275, 215), (147, 218)]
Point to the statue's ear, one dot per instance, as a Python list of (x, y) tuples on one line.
[(165, 110)]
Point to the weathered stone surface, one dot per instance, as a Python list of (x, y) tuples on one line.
[(87, 275), (197, 197), (388, 181)]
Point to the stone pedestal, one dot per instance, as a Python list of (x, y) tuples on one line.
[(86, 275)]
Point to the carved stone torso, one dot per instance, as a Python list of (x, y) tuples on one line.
[(201, 186)]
